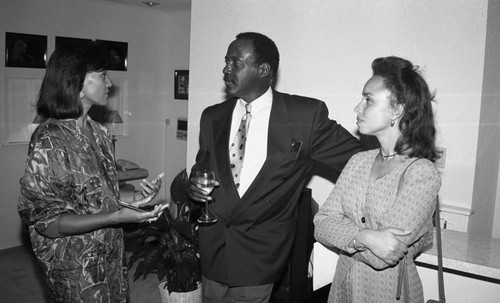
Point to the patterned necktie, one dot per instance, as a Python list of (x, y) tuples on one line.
[(237, 148)]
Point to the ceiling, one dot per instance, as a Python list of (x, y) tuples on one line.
[(164, 5)]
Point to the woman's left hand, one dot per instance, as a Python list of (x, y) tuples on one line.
[(384, 243), (127, 215)]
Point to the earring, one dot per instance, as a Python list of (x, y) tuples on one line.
[(392, 123)]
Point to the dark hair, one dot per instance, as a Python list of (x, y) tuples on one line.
[(408, 88), (59, 94), (264, 50)]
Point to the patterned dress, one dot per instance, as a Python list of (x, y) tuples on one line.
[(361, 276), (64, 174)]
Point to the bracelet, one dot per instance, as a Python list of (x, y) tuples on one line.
[(360, 247), (353, 241)]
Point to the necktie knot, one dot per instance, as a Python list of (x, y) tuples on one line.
[(247, 114)]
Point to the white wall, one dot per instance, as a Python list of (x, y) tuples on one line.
[(326, 51), (158, 43), (486, 219)]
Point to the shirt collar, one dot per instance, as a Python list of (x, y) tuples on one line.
[(261, 102)]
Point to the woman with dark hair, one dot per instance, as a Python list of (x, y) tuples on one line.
[(69, 192), (380, 212)]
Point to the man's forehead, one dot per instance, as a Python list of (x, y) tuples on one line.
[(239, 53)]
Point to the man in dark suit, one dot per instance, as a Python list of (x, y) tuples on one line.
[(246, 250)]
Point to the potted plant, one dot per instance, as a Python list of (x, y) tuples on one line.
[(168, 247)]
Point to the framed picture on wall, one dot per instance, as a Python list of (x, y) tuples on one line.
[(118, 50), (182, 129), (24, 50), (181, 89)]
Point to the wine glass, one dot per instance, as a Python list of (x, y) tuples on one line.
[(205, 180)]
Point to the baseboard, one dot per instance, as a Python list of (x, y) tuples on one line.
[(10, 244)]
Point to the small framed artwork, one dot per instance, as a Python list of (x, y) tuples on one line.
[(24, 50), (181, 89), (182, 127)]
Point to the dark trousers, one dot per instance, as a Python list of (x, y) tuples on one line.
[(215, 292)]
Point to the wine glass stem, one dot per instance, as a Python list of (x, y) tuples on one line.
[(206, 208)]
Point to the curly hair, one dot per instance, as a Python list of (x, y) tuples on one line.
[(264, 50), (59, 94), (407, 87)]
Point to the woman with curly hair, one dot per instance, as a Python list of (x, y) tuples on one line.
[(380, 212)]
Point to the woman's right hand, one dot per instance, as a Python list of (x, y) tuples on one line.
[(384, 243), (126, 215)]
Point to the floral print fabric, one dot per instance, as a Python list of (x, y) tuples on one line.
[(64, 174), (358, 202)]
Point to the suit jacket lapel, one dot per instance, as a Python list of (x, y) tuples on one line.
[(222, 130)]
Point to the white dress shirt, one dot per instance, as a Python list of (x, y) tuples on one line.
[(256, 144)]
